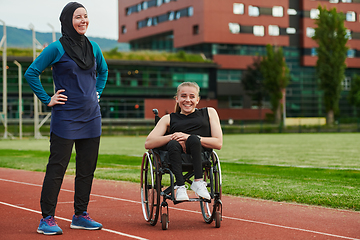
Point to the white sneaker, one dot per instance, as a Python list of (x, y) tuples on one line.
[(181, 194), (199, 187)]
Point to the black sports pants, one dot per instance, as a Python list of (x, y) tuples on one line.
[(86, 159), (194, 148)]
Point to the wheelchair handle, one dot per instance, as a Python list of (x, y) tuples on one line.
[(155, 111)]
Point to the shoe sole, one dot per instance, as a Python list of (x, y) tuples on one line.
[(185, 199), (48, 233), (86, 228)]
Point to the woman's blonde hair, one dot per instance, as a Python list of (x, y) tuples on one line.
[(186, 84)]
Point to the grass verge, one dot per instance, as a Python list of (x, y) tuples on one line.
[(315, 186)]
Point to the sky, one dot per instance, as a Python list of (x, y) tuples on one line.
[(103, 15)]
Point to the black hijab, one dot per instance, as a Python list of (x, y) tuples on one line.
[(77, 46)]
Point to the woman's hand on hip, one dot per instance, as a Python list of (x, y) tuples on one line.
[(58, 98)]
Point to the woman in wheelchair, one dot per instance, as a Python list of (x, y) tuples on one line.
[(188, 130)]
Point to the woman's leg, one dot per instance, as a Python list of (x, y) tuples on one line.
[(87, 151), (60, 153), (174, 150), (193, 147)]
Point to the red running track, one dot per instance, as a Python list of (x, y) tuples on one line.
[(117, 206)]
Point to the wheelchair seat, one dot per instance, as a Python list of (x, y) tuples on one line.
[(187, 164)]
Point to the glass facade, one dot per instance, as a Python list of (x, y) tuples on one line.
[(162, 42), (303, 97), (128, 85)]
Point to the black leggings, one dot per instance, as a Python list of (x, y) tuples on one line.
[(86, 160), (194, 148)]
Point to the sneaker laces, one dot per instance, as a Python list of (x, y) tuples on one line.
[(51, 221), (86, 216)]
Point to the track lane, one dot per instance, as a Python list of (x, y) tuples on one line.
[(117, 206)]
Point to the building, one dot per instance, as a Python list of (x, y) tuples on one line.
[(129, 84), (233, 32)]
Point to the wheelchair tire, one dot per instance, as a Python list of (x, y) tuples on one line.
[(217, 219), (164, 221), (212, 174), (150, 186)]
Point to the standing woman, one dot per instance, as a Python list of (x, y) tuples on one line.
[(80, 74), (191, 131)]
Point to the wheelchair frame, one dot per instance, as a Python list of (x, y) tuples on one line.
[(152, 170)]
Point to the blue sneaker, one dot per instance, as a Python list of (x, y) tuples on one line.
[(48, 226), (84, 222)]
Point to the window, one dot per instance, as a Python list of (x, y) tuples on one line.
[(346, 1), (254, 11), (235, 102), (149, 22), (277, 11), (333, 1), (234, 27), (290, 30), (195, 29), (348, 34), (274, 30), (346, 84), (139, 7), (259, 30), (123, 29), (291, 11), (177, 15), (155, 21), (314, 13), (350, 53), (144, 5), (350, 16), (190, 11), (171, 15), (151, 3), (158, 2), (238, 8), (313, 52), (310, 32)]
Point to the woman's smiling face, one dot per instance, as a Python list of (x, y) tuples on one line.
[(187, 98), (80, 20)]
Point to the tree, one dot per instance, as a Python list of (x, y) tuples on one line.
[(331, 37), (276, 77), (253, 83), (354, 93)]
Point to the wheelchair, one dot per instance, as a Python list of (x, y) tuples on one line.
[(155, 166)]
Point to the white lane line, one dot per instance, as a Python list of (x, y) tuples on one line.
[(191, 211), (292, 228), (69, 220)]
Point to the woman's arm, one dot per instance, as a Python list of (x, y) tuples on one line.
[(101, 69), (48, 56), (156, 137), (216, 139)]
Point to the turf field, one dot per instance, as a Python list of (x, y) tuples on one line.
[(318, 169)]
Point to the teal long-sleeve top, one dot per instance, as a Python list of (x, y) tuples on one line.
[(80, 116)]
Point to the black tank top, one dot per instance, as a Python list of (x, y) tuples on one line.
[(196, 123)]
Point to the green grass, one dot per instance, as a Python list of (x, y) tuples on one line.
[(315, 169)]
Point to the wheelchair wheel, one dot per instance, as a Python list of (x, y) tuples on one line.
[(164, 221), (213, 175), (217, 219), (150, 188)]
